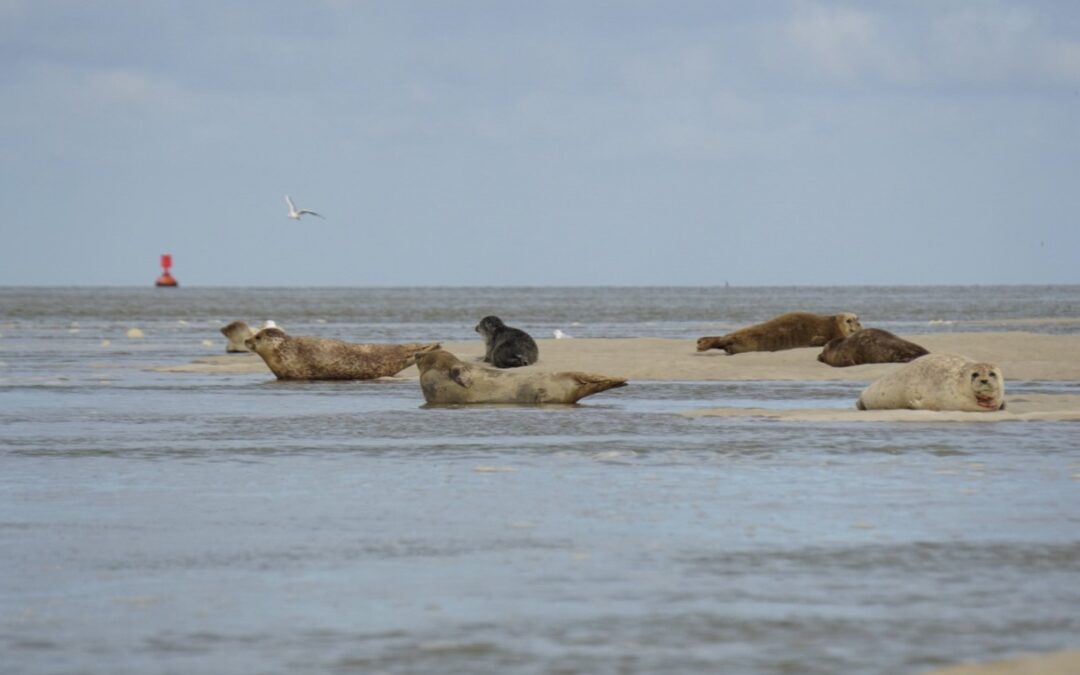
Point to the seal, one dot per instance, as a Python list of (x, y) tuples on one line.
[(313, 358), (787, 331), (446, 379), (869, 345), (938, 382), (506, 347), (236, 332)]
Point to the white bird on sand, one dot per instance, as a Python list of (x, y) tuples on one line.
[(295, 213), (559, 335)]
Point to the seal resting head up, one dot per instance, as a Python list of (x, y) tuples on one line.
[(787, 331), (506, 347), (313, 358), (446, 379), (938, 382)]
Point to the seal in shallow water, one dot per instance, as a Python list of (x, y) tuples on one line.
[(506, 347), (312, 358), (938, 382), (869, 345), (787, 331), (446, 379)]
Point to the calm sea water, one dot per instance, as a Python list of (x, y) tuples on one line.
[(190, 523)]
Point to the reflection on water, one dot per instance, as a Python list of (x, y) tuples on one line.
[(163, 522)]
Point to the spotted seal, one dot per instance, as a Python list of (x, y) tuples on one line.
[(313, 358), (446, 379), (938, 382)]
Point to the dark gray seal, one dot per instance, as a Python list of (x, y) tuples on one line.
[(506, 347), (870, 345)]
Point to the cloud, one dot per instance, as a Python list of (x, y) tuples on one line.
[(844, 45), (979, 44)]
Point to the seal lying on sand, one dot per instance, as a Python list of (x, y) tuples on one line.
[(869, 345), (506, 347), (787, 331), (312, 358), (444, 378), (938, 382), (236, 332)]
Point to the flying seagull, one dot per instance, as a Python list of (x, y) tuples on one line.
[(295, 213)]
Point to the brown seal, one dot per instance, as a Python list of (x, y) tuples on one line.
[(312, 358), (938, 382), (236, 332), (446, 379), (787, 331), (870, 345)]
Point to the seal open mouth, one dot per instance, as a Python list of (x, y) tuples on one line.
[(988, 402)]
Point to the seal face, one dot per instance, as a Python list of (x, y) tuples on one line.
[(446, 379), (236, 332), (312, 358), (869, 345), (938, 382), (506, 347), (787, 331)]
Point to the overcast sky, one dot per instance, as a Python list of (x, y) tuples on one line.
[(540, 142)]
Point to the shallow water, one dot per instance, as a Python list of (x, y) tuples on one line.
[(164, 522)]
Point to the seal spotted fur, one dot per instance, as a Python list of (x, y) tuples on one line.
[(938, 382), (446, 379), (312, 358)]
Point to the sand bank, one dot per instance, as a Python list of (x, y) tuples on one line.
[(1022, 356), (1020, 408), (1055, 663)]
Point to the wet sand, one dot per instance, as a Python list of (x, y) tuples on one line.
[(1055, 663)]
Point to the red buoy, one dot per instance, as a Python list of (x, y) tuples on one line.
[(166, 279)]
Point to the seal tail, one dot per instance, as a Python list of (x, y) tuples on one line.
[(416, 348), (913, 352), (594, 384), (714, 342)]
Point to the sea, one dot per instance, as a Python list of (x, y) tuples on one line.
[(165, 522)]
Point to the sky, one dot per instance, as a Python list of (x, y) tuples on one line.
[(540, 142)]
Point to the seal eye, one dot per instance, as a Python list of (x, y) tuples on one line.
[(993, 374), (974, 376)]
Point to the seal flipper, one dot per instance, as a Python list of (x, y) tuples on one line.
[(458, 374)]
